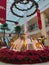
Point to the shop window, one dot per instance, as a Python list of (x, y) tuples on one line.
[(33, 27), (47, 22)]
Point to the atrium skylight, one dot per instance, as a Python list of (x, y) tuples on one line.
[(10, 16)]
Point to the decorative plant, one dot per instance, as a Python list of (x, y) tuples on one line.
[(18, 30), (4, 27)]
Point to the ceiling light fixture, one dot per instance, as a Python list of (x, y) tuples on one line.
[(24, 2)]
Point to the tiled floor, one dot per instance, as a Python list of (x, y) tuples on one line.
[(47, 63)]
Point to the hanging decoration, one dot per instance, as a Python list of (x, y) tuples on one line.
[(16, 23), (3, 11), (24, 2), (39, 19)]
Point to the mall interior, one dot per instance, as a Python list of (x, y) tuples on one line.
[(24, 26)]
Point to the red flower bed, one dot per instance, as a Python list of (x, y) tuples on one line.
[(28, 57)]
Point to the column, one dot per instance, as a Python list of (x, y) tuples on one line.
[(25, 28), (43, 31), (25, 24)]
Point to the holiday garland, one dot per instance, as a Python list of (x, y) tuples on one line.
[(34, 3), (24, 57)]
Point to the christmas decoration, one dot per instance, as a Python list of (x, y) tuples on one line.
[(39, 19), (2, 11), (16, 23)]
